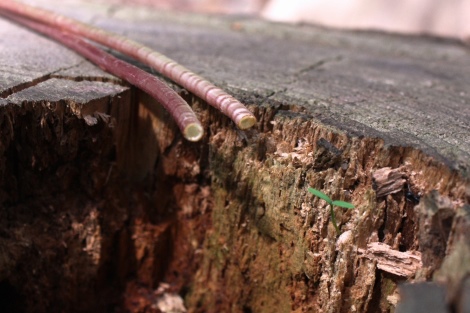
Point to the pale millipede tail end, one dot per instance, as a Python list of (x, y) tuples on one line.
[(193, 132), (247, 121), (242, 117)]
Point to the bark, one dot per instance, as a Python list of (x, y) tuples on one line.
[(106, 207)]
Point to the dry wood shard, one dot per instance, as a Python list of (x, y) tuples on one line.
[(392, 261), (387, 181)]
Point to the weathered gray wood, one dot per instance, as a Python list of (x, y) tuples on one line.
[(327, 100), (407, 90), (35, 68)]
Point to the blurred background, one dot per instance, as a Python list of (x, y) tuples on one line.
[(447, 18)]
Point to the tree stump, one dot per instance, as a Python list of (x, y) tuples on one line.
[(106, 207)]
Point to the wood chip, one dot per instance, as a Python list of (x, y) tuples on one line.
[(399, 263), (387, 180)]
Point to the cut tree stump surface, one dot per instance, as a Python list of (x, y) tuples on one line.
[(409, 91), (97, 181)]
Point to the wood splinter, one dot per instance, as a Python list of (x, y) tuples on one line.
[(404, 264), (387, 181), (54, 25)]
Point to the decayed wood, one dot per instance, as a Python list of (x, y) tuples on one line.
[(455, 266), (392, 261), (437, 213), (427, 297), (333, 108), (387, 181)]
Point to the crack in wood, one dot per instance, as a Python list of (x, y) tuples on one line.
[(319, 64), (56, 74)]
